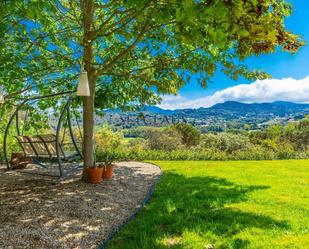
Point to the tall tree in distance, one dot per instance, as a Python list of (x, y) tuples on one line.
[(134, 50)]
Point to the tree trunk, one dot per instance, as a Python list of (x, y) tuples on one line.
[(88, 117), (87, 8)]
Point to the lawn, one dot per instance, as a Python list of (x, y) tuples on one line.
[(232, 204)]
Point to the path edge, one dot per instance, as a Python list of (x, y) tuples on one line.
[(116, 230)]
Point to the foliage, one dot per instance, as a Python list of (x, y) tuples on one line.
[(136, 132), (106, 138), (294, 136), (242, 204), (276, 142), (47, 40), (151, 143), (190, 136), (107, 157), (133, 50), (227, 142), (137, 144), (256, 153), (166, 139)]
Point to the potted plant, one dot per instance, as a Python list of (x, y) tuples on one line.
[(108, 159), (95, 172)]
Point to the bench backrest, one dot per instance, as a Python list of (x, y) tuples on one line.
[(40, 145)]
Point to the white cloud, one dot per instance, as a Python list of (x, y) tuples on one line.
[(260, 91)]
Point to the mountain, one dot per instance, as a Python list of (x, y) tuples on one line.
[(279, 107), (230, 114), (157, 110)]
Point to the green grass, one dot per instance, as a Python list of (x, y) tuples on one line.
[(232, 204)]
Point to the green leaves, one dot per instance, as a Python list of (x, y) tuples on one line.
[(134, 63), (244, 33)]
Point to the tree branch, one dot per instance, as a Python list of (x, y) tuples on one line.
[(110, 65), (11, 95)]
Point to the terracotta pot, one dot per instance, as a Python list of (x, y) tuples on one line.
[(95, 174), (108, 172)]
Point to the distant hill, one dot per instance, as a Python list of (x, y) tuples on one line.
[(277, 108), (230, 114), (157, 110)]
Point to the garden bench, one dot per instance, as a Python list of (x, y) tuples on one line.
[(44, 147)]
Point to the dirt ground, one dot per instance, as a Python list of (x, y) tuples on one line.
[(35, 213)]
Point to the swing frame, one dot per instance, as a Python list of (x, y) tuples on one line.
[(65, 112)]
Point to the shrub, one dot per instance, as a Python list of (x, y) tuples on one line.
[(190, 136), (285, 151), (256, 153), (227, 142), (106, 138), (166, 139), (108, 157), (138, 144)]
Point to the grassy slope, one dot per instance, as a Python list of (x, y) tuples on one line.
[(238, 204)]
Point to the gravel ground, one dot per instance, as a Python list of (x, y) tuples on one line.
[(34, 213)]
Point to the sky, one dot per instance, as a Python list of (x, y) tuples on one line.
[(290, 75)]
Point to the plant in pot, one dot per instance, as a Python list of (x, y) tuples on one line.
[(108, 158), (95, 172)]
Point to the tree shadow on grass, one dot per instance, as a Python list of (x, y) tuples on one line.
[(197, 205)]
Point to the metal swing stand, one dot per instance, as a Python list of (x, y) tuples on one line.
[(48, 146)]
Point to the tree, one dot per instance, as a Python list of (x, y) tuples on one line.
[(190, 136), (133, 50), (165, 139)]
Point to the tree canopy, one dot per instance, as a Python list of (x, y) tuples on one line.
[(140, 48), (133, 50)]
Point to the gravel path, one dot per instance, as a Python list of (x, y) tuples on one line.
[(73, 214)]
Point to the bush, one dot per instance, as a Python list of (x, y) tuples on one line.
[(106, 138), (256, 153), (138, 144), (227, 142), (171, 155), (108, 157), (190, 136), (166, 139)]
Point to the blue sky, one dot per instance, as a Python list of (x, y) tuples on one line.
[(280, 65)]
